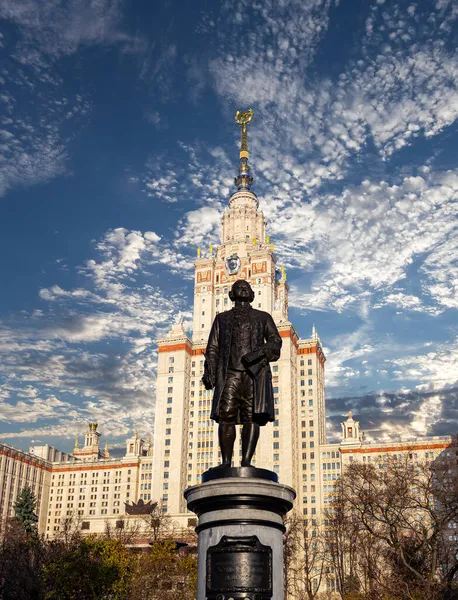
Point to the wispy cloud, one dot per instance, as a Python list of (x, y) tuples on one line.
[(322, 149), (55, 28), (89, 352), (40, 117), (397, 415)]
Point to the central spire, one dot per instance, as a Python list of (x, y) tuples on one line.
[(244, 180)]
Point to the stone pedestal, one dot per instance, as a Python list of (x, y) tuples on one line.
[(240, 529)]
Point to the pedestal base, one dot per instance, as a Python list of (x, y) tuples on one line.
[(240, 547), (245, 472)]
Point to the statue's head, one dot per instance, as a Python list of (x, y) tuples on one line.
[(241, 290)]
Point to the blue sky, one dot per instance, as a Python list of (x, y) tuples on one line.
[(117, 155)]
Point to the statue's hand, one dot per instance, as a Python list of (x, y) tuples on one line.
[(208, 383), (253, 357)]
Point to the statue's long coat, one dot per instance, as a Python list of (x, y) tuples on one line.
[(266, 345)]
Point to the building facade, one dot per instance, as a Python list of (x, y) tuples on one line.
[(91, 493), (185, 439), (95, 494), (19, 469), (87, 490)]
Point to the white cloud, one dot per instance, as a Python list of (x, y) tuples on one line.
[(36, 106), (90, 351), (345, 348), (365, 239), (55, 28), (199, 225), (433, 370), (356, 241)]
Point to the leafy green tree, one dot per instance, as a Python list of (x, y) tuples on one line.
[(88, 569), (164, 573), (24, 510)]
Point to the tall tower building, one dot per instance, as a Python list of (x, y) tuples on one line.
[(186, 442)]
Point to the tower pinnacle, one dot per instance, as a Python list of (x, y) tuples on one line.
[(244, 180)]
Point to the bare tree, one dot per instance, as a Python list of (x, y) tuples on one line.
[(405, 507), (157, 524), (70, 528), (304, 555), (126, 531), (342, 537)]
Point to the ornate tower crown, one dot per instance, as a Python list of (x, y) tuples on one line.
[(244, 180)]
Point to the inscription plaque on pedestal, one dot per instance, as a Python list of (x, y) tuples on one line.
[(239, 568)]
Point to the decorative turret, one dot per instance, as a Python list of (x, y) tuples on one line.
[(134, 445), (351, 434), (91, 449)]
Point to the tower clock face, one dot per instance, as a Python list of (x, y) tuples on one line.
[(233, 264)]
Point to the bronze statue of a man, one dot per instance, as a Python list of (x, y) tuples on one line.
[(241, 344)]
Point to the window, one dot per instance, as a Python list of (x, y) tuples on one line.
[(170, 390), (310, 381), (171, 359), (309, 362), (309, 371), (169, 410)]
